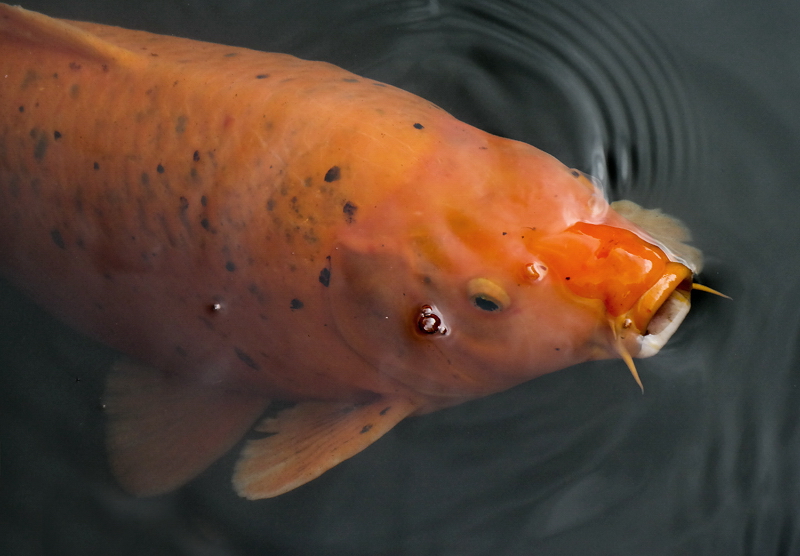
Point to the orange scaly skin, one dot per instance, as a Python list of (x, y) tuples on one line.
[(273, 225)]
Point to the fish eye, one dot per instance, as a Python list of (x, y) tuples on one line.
[(487, 295), (486, 303)]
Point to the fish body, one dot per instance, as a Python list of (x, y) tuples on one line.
[(251, 227)]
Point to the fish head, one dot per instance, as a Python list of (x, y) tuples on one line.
[(457, 305)]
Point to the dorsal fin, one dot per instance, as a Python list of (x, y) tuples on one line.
[(25, 25), (667, 230)]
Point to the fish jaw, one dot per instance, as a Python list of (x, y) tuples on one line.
[(650, 323)]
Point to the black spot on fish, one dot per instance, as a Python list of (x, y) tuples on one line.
[(262, 76), (205, 224), (74, 66), (22, 109), (256, 291), (74, 91), (231, 54), (184, 203), (204, 200), (567, 278), (295, 304), (333, 174), (419, 126), (246, 359), (56, 135), (196, 156), (30, 77), (96, 166), (230, 266), (366, 428), (325, 277), (270, 204), (349, 210), (58, 239), (160, 169), (180, 124), (575, 173), (40, 147), (385, 410)]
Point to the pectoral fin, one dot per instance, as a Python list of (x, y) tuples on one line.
[(163, 430), (308, 439)]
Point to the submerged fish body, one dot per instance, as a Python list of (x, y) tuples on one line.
[(249, 227)]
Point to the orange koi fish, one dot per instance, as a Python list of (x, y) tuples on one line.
[(250, 227)]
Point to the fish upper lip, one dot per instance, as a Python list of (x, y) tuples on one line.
[(654, 318)]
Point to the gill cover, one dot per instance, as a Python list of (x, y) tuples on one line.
[(376, 298), (431, 328)]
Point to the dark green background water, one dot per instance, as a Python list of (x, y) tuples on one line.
[(691, 106)]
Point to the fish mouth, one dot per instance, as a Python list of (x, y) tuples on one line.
[(644, 329), (656, 315), (666, 320)]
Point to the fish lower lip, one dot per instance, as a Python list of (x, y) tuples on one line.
[(657, 314), (664, 323)]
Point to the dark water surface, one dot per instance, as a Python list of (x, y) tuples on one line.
[(691, 106)]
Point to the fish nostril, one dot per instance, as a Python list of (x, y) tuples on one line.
[(535, 271), (429, 322)]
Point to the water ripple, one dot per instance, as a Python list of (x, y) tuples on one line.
[(592, 87)]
